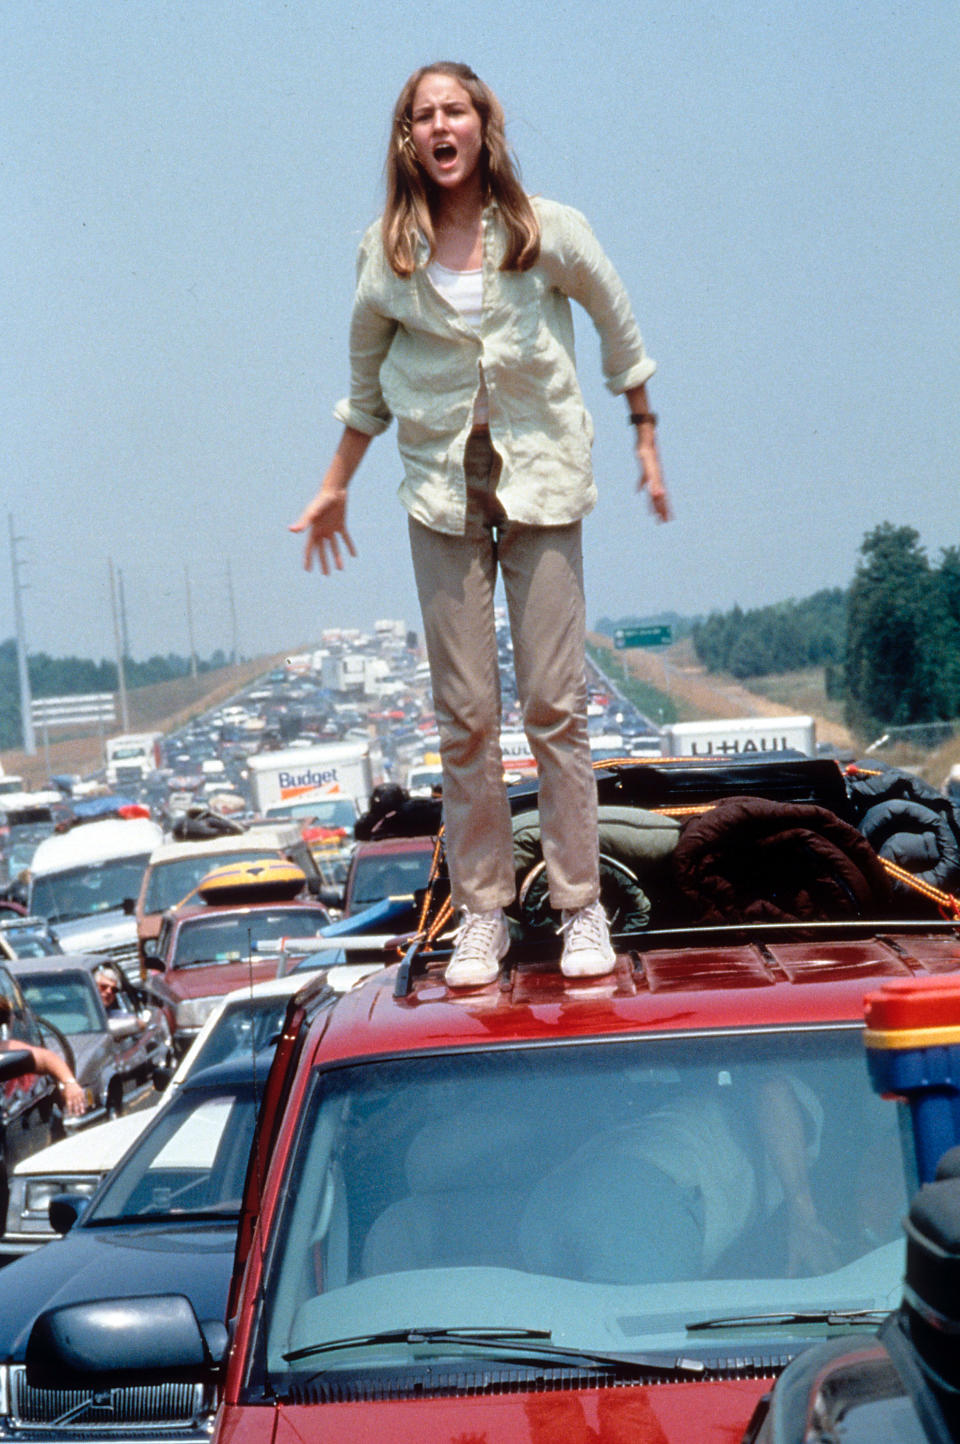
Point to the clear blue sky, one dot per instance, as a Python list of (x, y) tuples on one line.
[(183, 187)]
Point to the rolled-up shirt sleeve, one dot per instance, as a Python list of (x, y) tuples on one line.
[(371, 333), (591, 280)]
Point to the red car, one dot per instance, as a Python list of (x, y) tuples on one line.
[(204, 952), (386, 867), (555, 1211), (559, 1210)]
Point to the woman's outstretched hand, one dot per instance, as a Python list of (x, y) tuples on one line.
[(325, 522), (325, 519)]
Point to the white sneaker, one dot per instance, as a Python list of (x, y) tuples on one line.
[(479, 943), (587, 949)]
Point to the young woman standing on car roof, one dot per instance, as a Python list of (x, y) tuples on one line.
[(462, 330)]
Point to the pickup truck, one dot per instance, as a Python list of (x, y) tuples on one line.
[(567, 1209)]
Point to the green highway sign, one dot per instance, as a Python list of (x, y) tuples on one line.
[(655, 635)]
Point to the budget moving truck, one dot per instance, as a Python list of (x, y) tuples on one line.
[(292, 782)]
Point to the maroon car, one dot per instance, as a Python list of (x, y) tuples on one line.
[(204, 951)]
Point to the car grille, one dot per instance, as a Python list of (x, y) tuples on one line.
[(79, 1411)]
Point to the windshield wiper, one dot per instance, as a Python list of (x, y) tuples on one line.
[(521, 1341), (221, 1213), (799, 1316)]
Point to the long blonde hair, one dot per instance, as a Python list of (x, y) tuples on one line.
[(406, 214)]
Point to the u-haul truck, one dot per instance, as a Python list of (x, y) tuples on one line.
[(289, 779), (739, 736)]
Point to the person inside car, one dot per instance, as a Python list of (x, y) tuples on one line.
[(46, 1062), (703, 1176), (109, 990)]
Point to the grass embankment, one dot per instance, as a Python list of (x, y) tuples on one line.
[(670, 685), (161, 707)]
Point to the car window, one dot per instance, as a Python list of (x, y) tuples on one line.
[(390, 875), (332, 812), (67, 1001), (21, 1025), (32, 943), (193, 1160), (170, 883), (618, 1190), (228, 939), (241, 1030), (81, 892)]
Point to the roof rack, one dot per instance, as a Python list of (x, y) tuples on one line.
[(418, 957)]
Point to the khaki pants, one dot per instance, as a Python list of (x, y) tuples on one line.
[(542, 571)]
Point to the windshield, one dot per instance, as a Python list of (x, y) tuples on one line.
[(31, 942), (242, 1029), (611, 1193), (80, 892), (230, 939), (335, 812), (67, 1001), (193, 1161), (397, 874), (171, 883)]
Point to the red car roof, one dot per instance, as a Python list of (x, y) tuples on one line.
[(664, 989)]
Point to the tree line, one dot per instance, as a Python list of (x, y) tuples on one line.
[(889, 643), (73, 676)]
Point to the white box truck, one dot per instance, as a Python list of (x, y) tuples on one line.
[(344, 671), (739, 736), (292, 782), (85, 882), (131, 757)]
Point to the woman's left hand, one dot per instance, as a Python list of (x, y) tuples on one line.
[(651, 477)]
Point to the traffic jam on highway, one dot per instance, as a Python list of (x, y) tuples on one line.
[(267, 1177)]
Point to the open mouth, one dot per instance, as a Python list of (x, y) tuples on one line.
[(444, 152)]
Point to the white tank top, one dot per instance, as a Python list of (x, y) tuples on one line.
[(464, 291)]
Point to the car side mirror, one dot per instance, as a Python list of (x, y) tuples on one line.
[(64, 1209), (113, 1343), (161, 1077), (129, 906), (127, 1025), (151, 956), (331, 897), (15, 1063)]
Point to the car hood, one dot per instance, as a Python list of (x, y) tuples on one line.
[(93, 1150), (191, 1259), (215, 979), (112, 929), (668, 1413)]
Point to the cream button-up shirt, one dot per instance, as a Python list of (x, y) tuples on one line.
[(413, 357)]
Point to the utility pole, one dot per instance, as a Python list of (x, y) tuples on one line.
[(124, 635), (26, 718), (193, 650), (118, 644), (233, 616)]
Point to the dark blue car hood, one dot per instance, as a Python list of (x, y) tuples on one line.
[(192, 1259)]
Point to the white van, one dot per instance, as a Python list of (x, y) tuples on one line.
[(85, 882)]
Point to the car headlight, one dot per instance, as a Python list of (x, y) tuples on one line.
[(27, 1210), (194, 1012), (39, 1191)]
